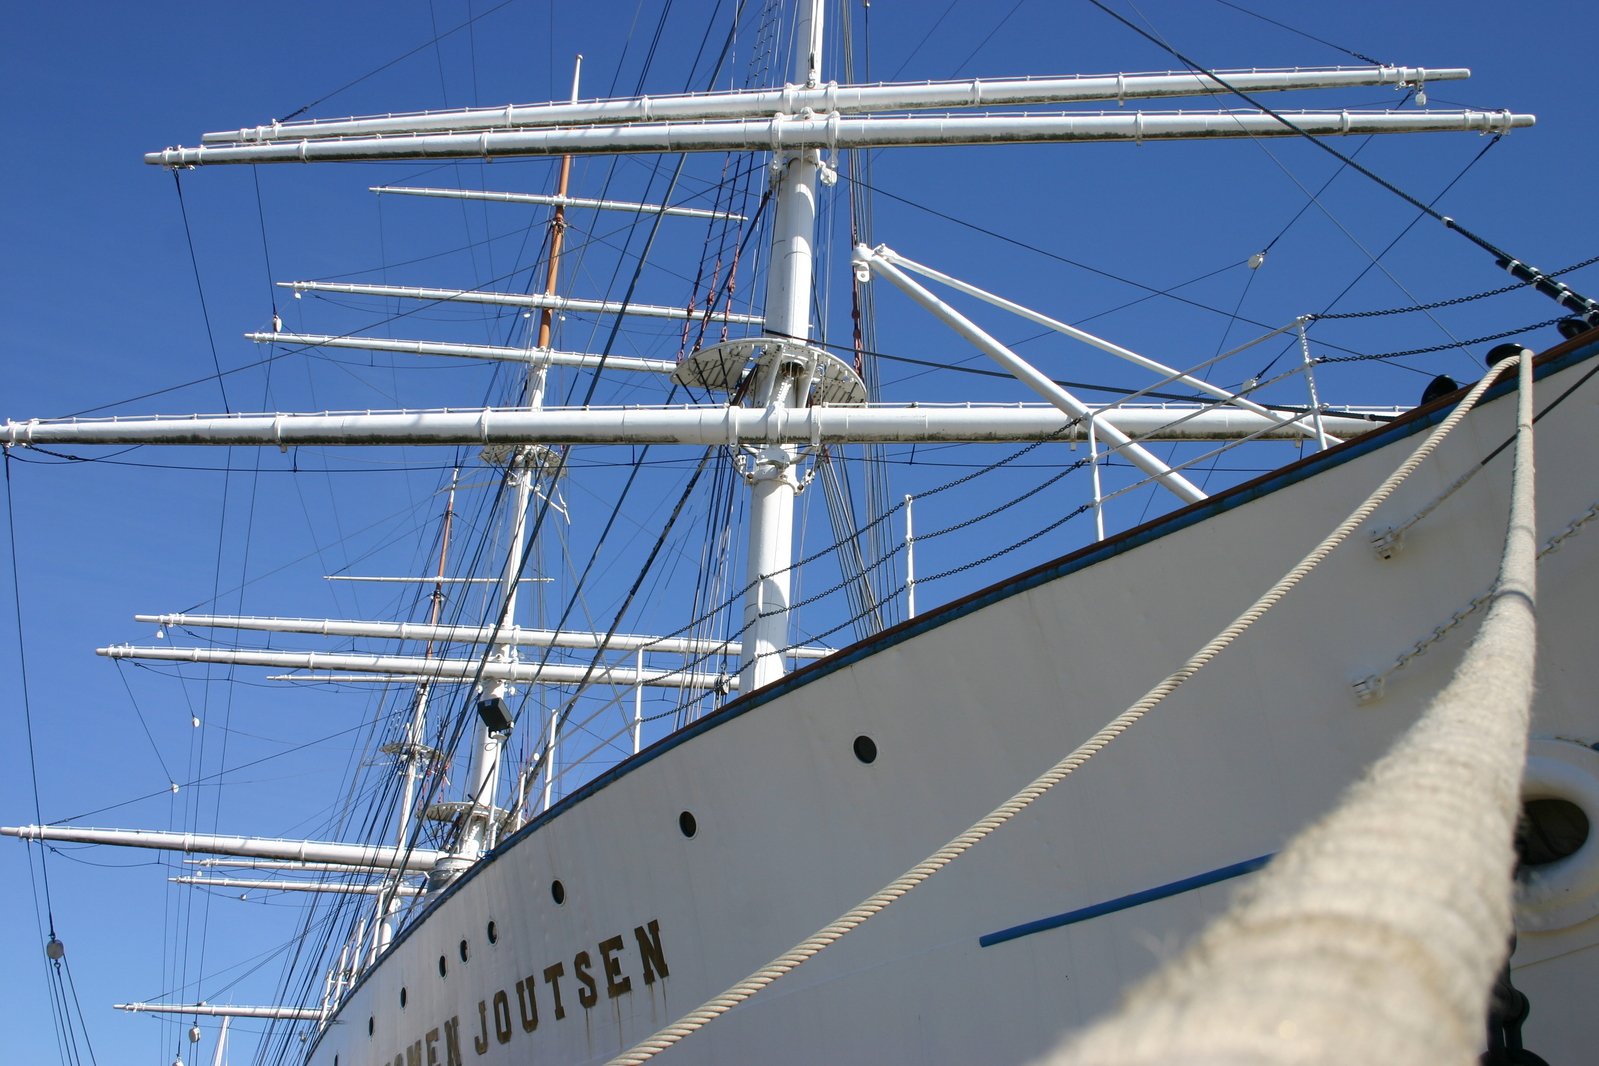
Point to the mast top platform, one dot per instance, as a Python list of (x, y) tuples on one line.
[(724, 367)]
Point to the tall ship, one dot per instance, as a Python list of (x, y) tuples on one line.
[(768, 554)]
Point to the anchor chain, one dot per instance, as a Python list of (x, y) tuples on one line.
[(1508, 1008)]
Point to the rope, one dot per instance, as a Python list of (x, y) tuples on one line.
[(880, 900), (1376, 933)]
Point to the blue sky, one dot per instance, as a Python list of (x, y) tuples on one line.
[(100, 308)]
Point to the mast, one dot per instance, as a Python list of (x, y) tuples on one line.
[(522, 464), (772, 479), (412, 750)]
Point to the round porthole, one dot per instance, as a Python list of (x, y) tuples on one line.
[(558, 892), (370, 1025), (1557, 873), (463, 951), (443, 966), (865, 749), (493, 934), (1550, 829), (402, 999), (687, 824)]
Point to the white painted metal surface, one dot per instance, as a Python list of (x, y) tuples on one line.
[(499, 353), (557, 200), (787, 133), (773, 480), (383, 858), (1025, 372), (792, 99), (509, 634), (437, 669), (681, 425), (537, 300), (793, 828)]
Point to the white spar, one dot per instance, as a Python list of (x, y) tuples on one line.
[(537, 300), (498, 353), (792, 99), (710, 425), (834, 132), (411, 860), (435, 669), (557, 200), (462, 634), (225, 1010)]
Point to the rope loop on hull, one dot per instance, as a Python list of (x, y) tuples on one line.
[(1492, 775), (1377, 933)]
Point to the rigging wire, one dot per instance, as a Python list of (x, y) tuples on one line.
[(1150, 290), (1310, 36), (205, 311), (461, 718), (397, 59), (56, 965), (1517, 268)]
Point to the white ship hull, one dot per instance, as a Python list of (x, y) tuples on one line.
[(964, 706)]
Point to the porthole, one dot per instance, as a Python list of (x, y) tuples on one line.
[(865, 749), (687, 824), (370, 1026), (1557, 872), (402, 999), (443, 966), (493, 934), (558, 892), (1550, 829), (463, 951)]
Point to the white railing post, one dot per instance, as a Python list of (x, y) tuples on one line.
[(1093, 462), (638, 707), (1310, 382), (910, 562)]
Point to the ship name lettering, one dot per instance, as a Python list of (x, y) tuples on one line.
[(495, 1022), (527, 1003), (586, 995), (552, 975)]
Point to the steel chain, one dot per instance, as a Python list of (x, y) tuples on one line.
[(1371, 686), (1437, 347), (1451, 302)]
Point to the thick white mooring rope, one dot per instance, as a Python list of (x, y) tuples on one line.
[(900, 886), (1377, 933)]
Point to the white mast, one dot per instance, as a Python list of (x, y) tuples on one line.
[(788, 292)]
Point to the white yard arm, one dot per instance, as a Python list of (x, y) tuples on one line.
[(410, 860), (834, 131), (557, 200), (224, 1010), (538, 300), (533, 356), (267, 884), (792, 99), (467, 634), (712, 425), (435, 669)]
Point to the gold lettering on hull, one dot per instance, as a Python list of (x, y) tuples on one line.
[(496, 1025)]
